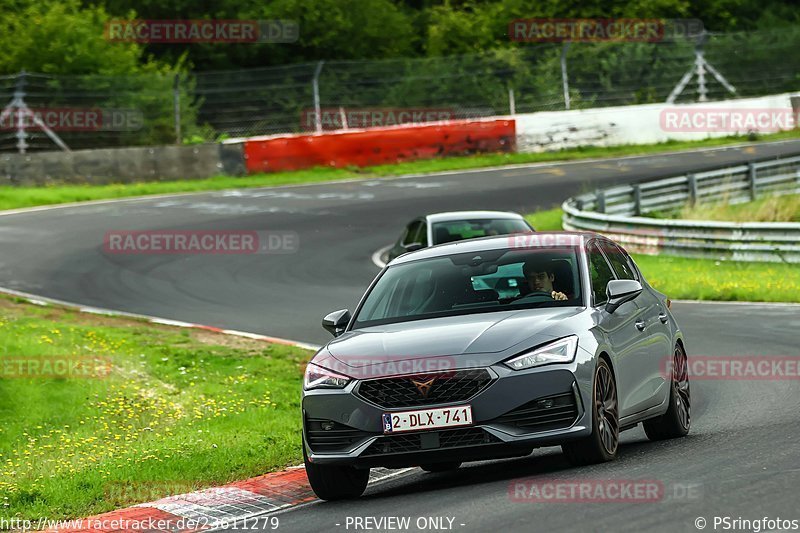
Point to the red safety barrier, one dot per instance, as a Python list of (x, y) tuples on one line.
[(379, 146)]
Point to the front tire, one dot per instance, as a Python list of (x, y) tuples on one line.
[(602, 444), (335, 482), (678, 418)]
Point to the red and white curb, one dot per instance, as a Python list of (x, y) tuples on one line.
[(215, 508), (41, 300)]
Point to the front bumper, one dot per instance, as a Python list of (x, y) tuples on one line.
[(515, 413)]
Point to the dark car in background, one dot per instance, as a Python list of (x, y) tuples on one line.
[(441, 228), (463, 352)]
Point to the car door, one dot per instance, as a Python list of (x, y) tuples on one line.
[(620, 330), (659, 336)]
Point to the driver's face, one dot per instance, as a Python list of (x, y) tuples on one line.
[(541, 281)]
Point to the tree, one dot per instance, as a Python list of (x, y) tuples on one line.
[(65, 38)]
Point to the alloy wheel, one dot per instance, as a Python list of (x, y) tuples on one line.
[(680, 383), (606, 405)]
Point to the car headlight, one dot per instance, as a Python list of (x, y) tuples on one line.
[(317, 377), (560, 351)]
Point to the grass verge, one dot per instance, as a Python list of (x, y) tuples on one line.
[(179, 410), (784, 208), (705, 279), (19, 197)]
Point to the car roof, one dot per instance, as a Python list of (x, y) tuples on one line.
[(473, 215), (540, 239)]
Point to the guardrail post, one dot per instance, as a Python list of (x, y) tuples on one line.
[(637, 200), (600, 196), (692, 181), (751, 180)]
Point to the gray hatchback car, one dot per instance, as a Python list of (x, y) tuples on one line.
[(489, 348)]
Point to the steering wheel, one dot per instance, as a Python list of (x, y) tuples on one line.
[(535, 297)]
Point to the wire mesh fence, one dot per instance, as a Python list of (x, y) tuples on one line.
[(206, 106)]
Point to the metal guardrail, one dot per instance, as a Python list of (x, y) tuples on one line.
[(619, 212)]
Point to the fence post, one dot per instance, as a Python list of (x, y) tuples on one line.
[(600, 196), (637, 200), (19, 93), (564, 76), (700, 63), (176, 104), (19, 109), (512, 106), (751, 180), (317, 107), (692, 181)]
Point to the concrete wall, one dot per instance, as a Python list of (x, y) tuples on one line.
[(553, 130), (121, 165), (641, 124)]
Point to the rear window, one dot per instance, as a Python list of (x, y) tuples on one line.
[(459, 230)]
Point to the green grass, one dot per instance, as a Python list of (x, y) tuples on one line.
[(704, 279), (180, 410), (12, 197), (784, 208)]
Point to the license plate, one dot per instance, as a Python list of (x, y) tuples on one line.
[(442, 417)]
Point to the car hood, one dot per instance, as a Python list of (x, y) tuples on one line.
[(456, 336)]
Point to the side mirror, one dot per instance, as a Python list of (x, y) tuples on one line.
[(620, 291), (413, 247), (335, 322)]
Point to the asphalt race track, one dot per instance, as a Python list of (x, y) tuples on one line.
[(740, 460)]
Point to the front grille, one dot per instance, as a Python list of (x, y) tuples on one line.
[(446, 387), (336, 438), (432, 440), (545, 414)]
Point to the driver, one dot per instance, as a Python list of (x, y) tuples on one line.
[(540, 276)]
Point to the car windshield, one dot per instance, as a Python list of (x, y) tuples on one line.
[(458, 230), (476, 282)]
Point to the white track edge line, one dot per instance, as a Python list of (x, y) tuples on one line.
[(43, 300), (376, 257)]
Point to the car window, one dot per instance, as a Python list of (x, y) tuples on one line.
[(412, 232), (620, 261), (422, 237), (509, 281), (459, 230), (470, 283), (600, 273)]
